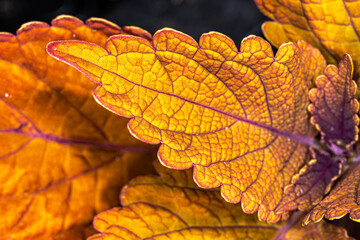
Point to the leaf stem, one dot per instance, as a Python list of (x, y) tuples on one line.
[(289, 224)]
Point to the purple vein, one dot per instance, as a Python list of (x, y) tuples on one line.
[(98, 128), (342, 111), (321, 177), (292, 221), (351, 20), (67, 141), (300, 138), (313, 31), (49, 137), (23, 213), (17, 150), (22, 115), (69, 179)]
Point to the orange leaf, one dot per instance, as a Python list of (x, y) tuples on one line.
[(334, 106), (343, 199), (63, 157), (172, 207), (332, 26), (232, 115)]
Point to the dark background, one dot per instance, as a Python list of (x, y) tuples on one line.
[(234, 18)]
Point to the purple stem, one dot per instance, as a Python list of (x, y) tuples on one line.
[(289, 224)]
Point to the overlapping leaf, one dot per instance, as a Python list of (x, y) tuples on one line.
[(331, 25), (334, 106), (311, 183), (172, 207), (232, 115), (343, 199), (334, 113), (62, 156)]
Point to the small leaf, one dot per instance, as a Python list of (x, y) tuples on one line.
[(334, 109), (312, 183), (334, 106), (232, 115), (343, 199), (63, 158), (331, 26), (172, 207)]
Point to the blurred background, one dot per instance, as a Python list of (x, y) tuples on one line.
[(235, 18)]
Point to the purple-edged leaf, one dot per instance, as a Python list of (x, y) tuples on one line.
[(312, 183), (334, 106), (172, 207), (237, 115), (344, 198)]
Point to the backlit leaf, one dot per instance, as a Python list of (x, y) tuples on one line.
[(172, 207), (334, 109), (333, 26), (231, 114), (343, 198), (334, 106), (312, 183), (63, 158)]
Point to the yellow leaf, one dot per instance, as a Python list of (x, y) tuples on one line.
[(330, 25), (172, 207), (231, 114)]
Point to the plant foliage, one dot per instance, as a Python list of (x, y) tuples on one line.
[(246, 130)]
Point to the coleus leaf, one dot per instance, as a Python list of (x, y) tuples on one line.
[(61, 160), (231, 114), (172, 207), (343, 199), (309, 186), (334, 107), (334, 113), (331, 26), (335, 98)]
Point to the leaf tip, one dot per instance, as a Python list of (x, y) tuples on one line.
[(54, 48)]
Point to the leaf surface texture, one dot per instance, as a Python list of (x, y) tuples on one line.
[(173, 207), (232, 114), (333, 26), (343, 199), (62, 157), (334, 105)]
